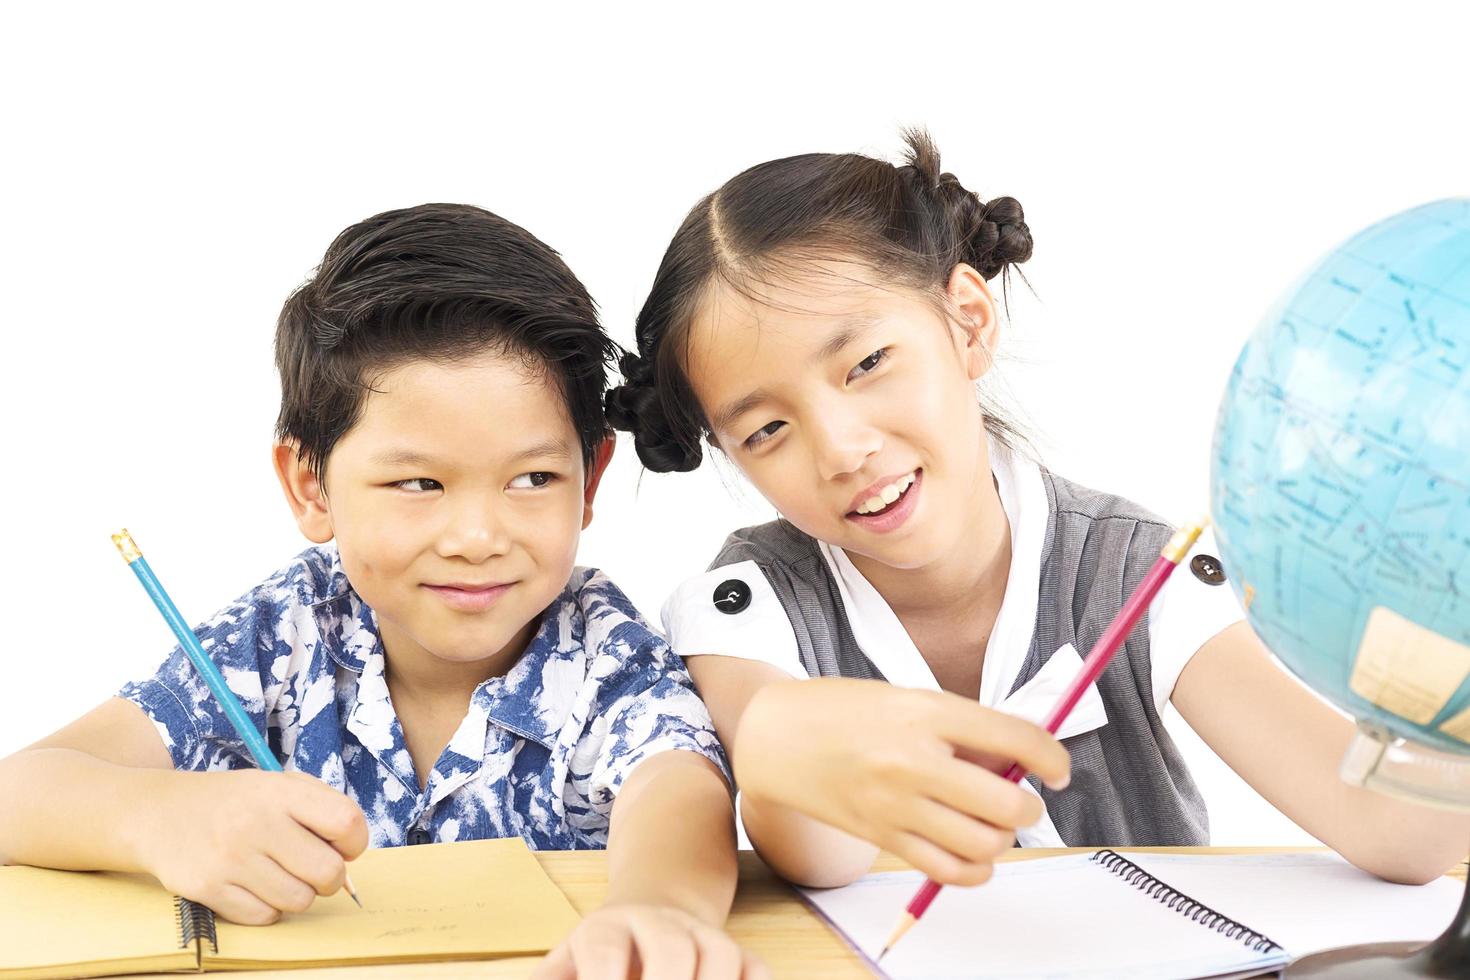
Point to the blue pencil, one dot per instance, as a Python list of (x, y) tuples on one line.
[(244, 727)]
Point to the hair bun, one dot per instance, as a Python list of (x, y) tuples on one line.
[(1000, 237), (990, 235), (634, 406)]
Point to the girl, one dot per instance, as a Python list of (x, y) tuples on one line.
[(822, 320)]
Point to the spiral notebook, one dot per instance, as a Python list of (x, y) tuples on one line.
[(1141, 916), (464, 901)]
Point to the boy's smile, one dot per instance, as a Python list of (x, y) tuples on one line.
[(456, 500)]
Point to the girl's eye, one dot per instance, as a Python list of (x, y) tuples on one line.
[(530, 481), (867, 364), (419, 485), (763, 433)]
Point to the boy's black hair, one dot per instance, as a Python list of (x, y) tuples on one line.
[(437, 281), (912, 223)]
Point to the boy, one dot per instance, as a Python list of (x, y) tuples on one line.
[(440, 671)]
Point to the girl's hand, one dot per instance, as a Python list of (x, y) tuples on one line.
[(914, 772), (252, 844), (651, 941)]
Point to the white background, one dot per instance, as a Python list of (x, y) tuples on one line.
[(173, 172)]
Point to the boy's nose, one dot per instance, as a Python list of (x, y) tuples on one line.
[(475, 532)]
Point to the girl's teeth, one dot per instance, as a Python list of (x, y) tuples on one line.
[(887, 495)]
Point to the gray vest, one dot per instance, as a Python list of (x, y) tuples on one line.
[(1129, 783)]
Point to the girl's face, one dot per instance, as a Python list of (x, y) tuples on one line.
[(852, 407)]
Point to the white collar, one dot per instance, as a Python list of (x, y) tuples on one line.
[(887, 644)]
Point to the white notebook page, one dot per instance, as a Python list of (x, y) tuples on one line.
[(1070, 917)]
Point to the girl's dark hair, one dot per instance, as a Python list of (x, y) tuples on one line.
[(912, 224), (437, 281)]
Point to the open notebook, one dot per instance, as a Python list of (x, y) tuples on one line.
[(465, 901), (1146, 915)]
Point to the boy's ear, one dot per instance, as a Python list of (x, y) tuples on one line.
[(594, 475), (978, 330), (304, 493)]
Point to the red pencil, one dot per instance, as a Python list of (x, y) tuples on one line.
[(1107, 644)]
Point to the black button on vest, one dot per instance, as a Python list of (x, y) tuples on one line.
[(732, 596)]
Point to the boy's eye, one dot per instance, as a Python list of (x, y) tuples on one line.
[(763, 433), (867, 364), (530, 481), (419, 484)]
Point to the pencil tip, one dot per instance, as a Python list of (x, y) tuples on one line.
[(881, 955), (356, 899)]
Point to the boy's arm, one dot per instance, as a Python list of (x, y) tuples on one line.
[(672, 838), (102, 794), (79, 798), (671, 879), (1288, 745)]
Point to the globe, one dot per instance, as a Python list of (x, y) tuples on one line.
[(1340, 477)]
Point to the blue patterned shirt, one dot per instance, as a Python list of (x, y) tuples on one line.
[(540, 754)]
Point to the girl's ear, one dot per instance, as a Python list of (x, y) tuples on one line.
[(304, 493), (978, 327)]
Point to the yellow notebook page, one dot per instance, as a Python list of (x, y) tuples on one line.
[(73, 924), (469, 900)]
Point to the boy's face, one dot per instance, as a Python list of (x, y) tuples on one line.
[(456, 501)]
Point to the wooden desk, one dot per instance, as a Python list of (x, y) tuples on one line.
[(767, 918)]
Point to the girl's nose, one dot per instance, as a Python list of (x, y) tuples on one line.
[(842, 445)]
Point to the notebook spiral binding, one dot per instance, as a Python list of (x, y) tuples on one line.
[(195, 922), (1179, 902)]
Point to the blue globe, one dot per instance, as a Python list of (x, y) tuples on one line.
[(1340, 480)]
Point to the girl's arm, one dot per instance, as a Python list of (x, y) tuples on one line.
[(830, 767), (1288, 744), (671, 879), (799, 848)]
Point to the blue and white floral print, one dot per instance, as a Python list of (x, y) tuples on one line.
[(540, 754)]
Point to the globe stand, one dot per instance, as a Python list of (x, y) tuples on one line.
[(1381, 761)]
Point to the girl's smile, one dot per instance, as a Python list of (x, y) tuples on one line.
[(888, 503)]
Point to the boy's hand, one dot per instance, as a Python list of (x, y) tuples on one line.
[(252, 844), (915, 772), (650, 941)]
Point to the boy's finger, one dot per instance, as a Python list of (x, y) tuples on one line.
[(240, 905), (982, 794), (964, 723), (557, 965), (331, 816), (306, 856), (719, 957), (601, 951), (274, 885), (665, 952), (754, 968)]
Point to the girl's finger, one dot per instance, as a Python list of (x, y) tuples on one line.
[(981, 794), (937, 863), (963, 836), (963, 723)]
